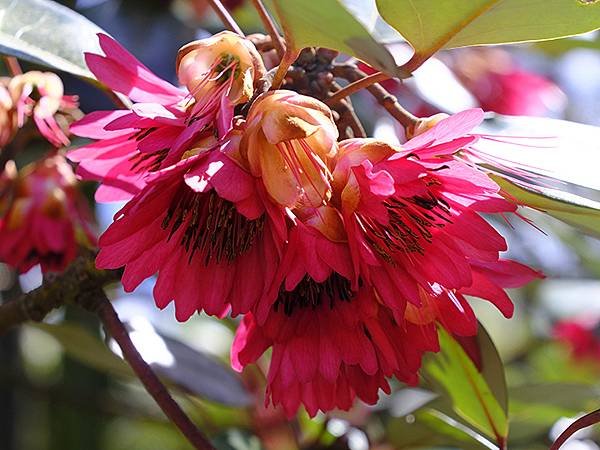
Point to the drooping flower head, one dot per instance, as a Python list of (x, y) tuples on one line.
[(206, 226), (413, 217), (166, 121), (364, 280), (288, 141), (46, 217), (41, 95)]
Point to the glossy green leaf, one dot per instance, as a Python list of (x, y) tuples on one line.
[(430, 25), (328, 23), (47, 33), (550, 167), (472, 398), (579, 212)]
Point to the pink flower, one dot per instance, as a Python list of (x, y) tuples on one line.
[(206, 226), (330, 346), (499, 85), (580, 336), (44, 110), (46, 217), (166, 121), (365, 279), (413, 218)]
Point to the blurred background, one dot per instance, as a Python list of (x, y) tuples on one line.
[(62, 387)]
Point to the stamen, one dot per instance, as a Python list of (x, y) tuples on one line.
[(410, 225), (212, 226), (310, 294)]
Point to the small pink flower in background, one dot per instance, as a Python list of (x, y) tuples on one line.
[(288, 141), (580, 336), (166, 121), (41, 95), (46, 218), (499, 85)]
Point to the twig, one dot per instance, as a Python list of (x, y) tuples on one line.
[(149, 379), (288, 58), (383, 97), (583, 422), (13, 66), (276, 38), (225, 17), (357, 85), (72, 286)]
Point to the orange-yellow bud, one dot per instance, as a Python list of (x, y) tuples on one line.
[(223, 58)]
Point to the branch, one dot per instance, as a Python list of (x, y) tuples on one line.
[(225, 17), (583, 422), (357, 85), (74, 285), (383, 97), (107, 314), (276, 39)]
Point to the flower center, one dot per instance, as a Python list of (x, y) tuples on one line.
[(212, 226), (311, 294), (410, 225)]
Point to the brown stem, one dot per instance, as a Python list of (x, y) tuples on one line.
[(13, 66), (225, 17), (287, 60), (149, 379), (583, 422), (357, 85), (383, 97), (72, 286), (267, 21)]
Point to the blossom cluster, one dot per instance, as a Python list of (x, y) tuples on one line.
[(342, 256)]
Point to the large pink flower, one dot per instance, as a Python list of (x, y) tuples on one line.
[(166, 121), (413, 217), (206, 226), (331, 346), (365, 279), (46, 217)]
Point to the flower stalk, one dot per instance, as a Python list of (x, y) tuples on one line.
[(267, 21), (225, 17), (113, 325)]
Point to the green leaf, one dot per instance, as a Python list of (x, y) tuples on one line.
[(328, 23), (237, 440), (551, 170), (492, 368), (430, 25), (47, 33), (472, 397), (579, 212)]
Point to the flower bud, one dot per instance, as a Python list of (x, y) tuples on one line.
[(223, 59), (289, 141)]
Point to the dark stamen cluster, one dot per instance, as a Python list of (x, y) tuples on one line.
[(212, 226), (411, 222), (310, 294)]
